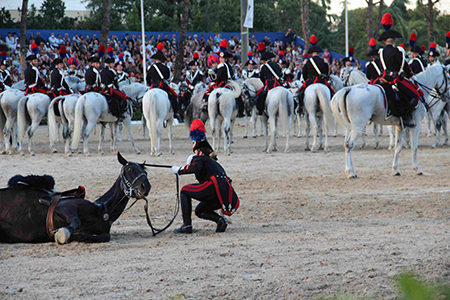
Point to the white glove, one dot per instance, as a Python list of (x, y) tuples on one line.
[(175, 169), (189, 159)]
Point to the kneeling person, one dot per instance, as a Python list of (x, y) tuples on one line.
[(214, 190)]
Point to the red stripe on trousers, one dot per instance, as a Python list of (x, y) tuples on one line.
[(196, 188)]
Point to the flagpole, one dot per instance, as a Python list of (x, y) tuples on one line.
[(346, 29), (144, 52), (244, 33)]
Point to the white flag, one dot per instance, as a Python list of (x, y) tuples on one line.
[(249, 17)]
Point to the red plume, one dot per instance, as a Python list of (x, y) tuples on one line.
[(313, 40), (387, 21), (224, 44), (413, 37), (160, 46), (101, 48), (281, 53), (372, 42), (433, 45), (195, 55), (250, 54), (109, 49), (403, 46), (423, 48), (261, 46), (62, 49)]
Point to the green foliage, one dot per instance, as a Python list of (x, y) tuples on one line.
[(6, 20), (51, 15)]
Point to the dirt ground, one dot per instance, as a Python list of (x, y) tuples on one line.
[(303, 229)]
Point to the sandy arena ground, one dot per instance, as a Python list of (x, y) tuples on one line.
[(303, 229)]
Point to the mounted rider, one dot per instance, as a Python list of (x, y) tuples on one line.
[(252, 68), (92, 76), (121, 75), (270, 76), (158, 75), (433, 54), (315, 70), (286, 74), (224, 74), (58, 86), (193, 76), (33, 82), (417, 63), (73, 68), (110, 88), (395, 69), (373, 66), (5, 76)]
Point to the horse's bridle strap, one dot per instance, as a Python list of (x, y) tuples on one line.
[(49, 224)]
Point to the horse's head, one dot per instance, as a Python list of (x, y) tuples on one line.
[(135, 183)]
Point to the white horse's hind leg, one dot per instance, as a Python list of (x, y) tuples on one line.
[(437, 138), (407, 138), (170, 124), (265, 132), (415, 143), (398, 149), (158, 137), (31, 130), (429, 119), (273, 134), (349, 145), (308, 131), (114, 135), (254, 122), (288, 133), (377, 136), (102, 138), (315, 124), (89, 127), (246, 126), (129, 128), (391, 130), (444, 127)]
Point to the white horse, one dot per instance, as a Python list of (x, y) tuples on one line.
[(136, 92), (354, 106), (317, 105), (352, 76), (249, 89), (9, 102), (299, 113), (20, 85), (31, 110), (92, 108), (337, 84), (66, 107), (279, 106), (222, 107), (196, 109), (156, 109)]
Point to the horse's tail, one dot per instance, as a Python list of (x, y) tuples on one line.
[(52, 126), (189, 115), (286, 110), (23, 117), (154, 119), (339, 107), (79, 115), (326, 109), (235, 92)]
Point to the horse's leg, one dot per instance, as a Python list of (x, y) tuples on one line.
[(308, 131), (265, 132), (273, 134), (299, 125), (231, 135), (254, 117), (398, 149), (102, 138), (213, 129), (377, 137), (320, 129), (313, 121), (114, 134), (226, 136), (246, 125), (349, 145), (34, 126), (414, 146), (327, 144), (335, 128), (158, 137), (391, 130), (429, 124), (288, 133), (2, 132), (444, 127), (170, 124), (89, 127), (407, 138), (129, 128), (363, 138), (438, 124)]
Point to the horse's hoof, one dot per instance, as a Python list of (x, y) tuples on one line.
[(32, 154), (419, 173), (138, 152), (245, 136), (299, 136), (307, 149), (396, 173), (429, 135), (327, 149), (54, 151), (62, 236), (254, 136), (433, 146), (352, 176), (287, 151), (3, 152), (69, 155)]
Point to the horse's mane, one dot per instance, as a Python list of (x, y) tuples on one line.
[(36, 181)]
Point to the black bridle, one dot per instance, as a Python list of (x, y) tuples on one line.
[(435, 93)]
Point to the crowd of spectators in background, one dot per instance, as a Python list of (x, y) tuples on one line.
[(129, 51)]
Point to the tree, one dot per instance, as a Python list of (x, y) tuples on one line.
[(23, 37), (104, 32), (305, 22), (181, 43), (6, 20), (429, 16)]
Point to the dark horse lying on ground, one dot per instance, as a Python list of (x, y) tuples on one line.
[(31, 212)]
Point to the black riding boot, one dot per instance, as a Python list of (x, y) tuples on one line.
[(186, 209), (175, 107), (240, 104), (213, 216), (261, 102)]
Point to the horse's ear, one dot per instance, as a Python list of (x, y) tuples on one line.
[(122, 160)]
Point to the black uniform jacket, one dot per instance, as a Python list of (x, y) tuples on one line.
[(393, 59), (374, 69), (32, 78), (417, 65), (265, 73), (57, 80), (92, 77), (224, 73), (109, 77), (153, 76), (207, 169), (309, 72), (194, 77), (6, 78)]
